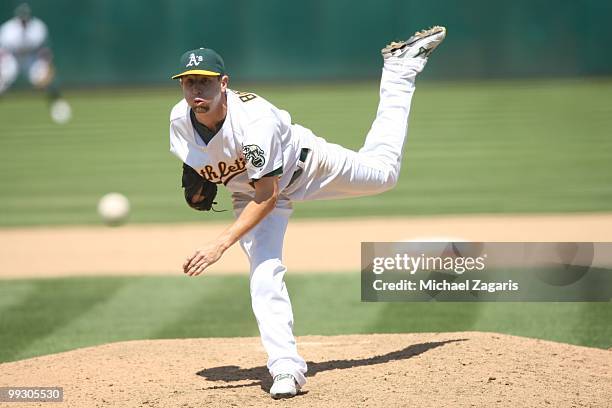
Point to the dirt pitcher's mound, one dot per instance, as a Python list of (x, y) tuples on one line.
[(391, 370)]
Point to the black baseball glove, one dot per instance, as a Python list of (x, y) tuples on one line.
[(199, 192)]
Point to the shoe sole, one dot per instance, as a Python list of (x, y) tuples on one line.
[(419, 35), (283, 396)]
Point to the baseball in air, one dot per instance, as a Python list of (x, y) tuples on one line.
[(61, 112), (114, 208)]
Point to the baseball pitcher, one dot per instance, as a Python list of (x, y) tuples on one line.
[(250, 146)]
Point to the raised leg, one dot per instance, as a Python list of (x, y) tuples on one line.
[(339, 172)]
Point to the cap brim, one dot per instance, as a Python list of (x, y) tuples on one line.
[(196, 72)]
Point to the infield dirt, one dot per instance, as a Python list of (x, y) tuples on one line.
[(381, 370), (326, 245)]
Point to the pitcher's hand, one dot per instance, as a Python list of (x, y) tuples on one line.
[(202, 259)]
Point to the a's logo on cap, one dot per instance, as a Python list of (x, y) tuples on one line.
[(193, 60)]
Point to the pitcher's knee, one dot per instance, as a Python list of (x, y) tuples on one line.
[(267, 279), (390, 180)]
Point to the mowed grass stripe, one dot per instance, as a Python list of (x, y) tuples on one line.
[(49, 305), (330, 305), (473, 147), (15, 293), (60, 314), (143, 308), (219, 306), (576, 323)]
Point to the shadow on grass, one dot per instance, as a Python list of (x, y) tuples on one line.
[(260, 376)]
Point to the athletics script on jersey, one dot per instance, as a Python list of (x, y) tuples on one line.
[(223, 172)]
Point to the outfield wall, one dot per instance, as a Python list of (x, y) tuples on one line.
[(138, 41)]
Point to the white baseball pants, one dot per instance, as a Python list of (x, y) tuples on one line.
[(332, 172)]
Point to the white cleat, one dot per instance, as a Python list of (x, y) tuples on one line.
[(284, 386), (420, 45)]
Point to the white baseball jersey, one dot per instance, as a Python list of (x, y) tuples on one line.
[(17, 39), (256, 140)]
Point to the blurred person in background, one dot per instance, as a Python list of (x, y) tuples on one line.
[(24, 49)]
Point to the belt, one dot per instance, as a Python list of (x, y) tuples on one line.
[(300, 164)]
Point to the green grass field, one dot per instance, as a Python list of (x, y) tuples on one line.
[(43, 316), (482, 147)]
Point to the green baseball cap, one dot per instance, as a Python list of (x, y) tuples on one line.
[(201, 61)]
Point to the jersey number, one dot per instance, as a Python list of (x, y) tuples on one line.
[(245, 96)]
